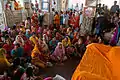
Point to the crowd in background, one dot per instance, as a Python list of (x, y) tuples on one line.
[(32, 44)]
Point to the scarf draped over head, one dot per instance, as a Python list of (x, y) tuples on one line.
[(27, 34), (45, 38), (3, 59), (17, 41), (59, 51), (68, 43), (2, 52), (34, 40)]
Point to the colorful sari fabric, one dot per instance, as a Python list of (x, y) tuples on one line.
[(4, 64), (57, 19), (8, 48), (72, 20), (59, 53), (76, 22), (37, 57), (35, 20), (66, 43), (19, 40), (34, 40), (27, 48), (100, 62), (114, 39), (58, 36)]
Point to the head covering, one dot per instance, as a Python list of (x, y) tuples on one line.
[(2, 52), (16, 40), (27, 30), (4, 64), (59, 51), (68, 43)]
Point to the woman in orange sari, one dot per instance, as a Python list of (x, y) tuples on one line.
[(56, 19), (34, 39), (36, 57), (100, 62)]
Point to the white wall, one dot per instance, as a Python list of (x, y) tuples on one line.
[(109, 3)]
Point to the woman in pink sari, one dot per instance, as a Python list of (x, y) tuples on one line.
[(59, 53)]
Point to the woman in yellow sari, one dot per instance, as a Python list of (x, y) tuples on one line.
[(66, 42), (56, 19), (4, 64), (100, 62), (36, 57), (34, 39)]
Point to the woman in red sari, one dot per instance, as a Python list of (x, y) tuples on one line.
[(35, 21), (77, 18), (72, 20), (8, 47), (27, 48)]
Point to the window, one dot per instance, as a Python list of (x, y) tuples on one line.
[(45, 5)]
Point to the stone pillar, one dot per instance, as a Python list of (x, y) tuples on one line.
[(3, 11), (40, 4), (50, 5), (58, 5)]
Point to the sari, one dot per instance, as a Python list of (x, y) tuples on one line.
[(19, 40), (66, 43), (34, 40), (57, 20), (116, 35), (4, 64), (72, 20), (76, 22), (100, 62), (27, 48), (27, 34), (37, 57), (8, 49), (59, 53)]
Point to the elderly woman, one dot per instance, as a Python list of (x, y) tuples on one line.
[(19, 40), (45, 38), (59, 53)]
